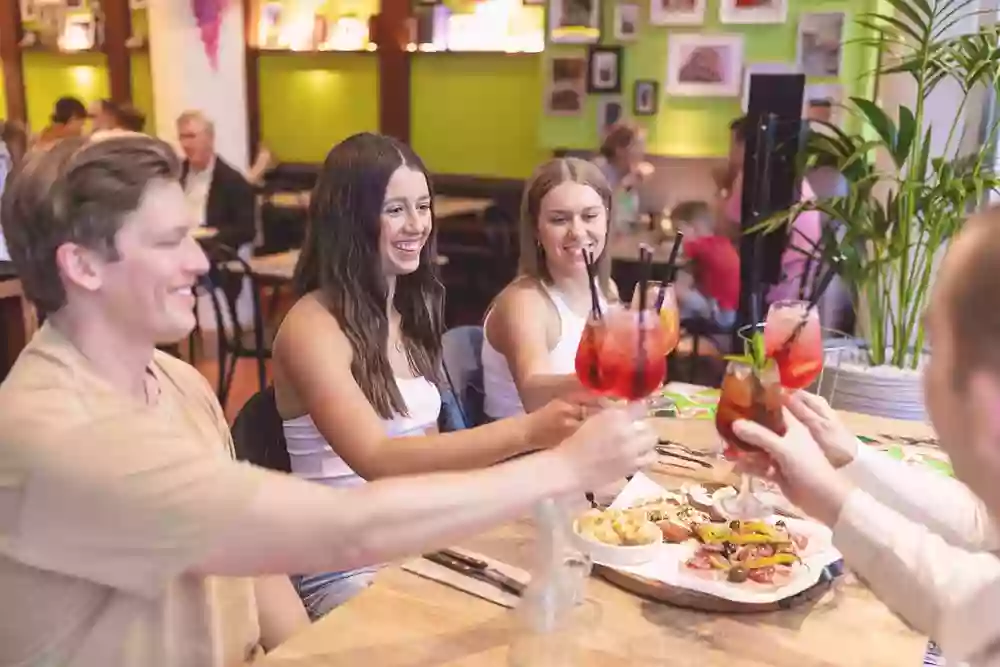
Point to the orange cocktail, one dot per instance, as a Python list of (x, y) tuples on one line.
[(754, 394)]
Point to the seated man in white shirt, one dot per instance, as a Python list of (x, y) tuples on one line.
[(925, 543)]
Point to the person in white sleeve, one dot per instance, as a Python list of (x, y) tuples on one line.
[(926, 544)]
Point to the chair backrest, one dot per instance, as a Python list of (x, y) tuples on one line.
[(461, 352), (258, 435), (226, 272)]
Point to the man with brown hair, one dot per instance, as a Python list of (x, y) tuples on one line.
[(128, 535), (927, 544)]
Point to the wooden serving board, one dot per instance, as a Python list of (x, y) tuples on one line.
[(688, 599)]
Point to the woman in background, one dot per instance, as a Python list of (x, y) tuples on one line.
[(622, 161), (356, 359), (534, 326), (68, 119), (109, 115)]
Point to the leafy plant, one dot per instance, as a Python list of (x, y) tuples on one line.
[(754, 351), (893, 220)]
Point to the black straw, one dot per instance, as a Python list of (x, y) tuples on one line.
[(671, 272), (817, 294), (595, 302), (646, 262)]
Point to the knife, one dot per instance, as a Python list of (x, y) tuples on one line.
[(476, 569)]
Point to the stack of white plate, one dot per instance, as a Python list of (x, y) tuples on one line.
[(885, 391)]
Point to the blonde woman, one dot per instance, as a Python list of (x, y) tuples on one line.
[(534, 326)]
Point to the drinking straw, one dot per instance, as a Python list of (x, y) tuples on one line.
[(595, 302), (671, 272), (817, 294), (646, 263)]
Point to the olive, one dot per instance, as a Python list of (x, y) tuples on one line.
[(738, 574), (779, 524), (734, 526), (728, 548)]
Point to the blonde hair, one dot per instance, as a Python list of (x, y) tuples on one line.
[(547, 177)]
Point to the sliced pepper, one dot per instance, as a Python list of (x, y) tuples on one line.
[(770, 561), (761, 527), (714, 534)]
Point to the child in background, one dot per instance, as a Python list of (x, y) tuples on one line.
[(710, 287)]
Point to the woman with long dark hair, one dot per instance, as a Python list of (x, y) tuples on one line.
[(356, 359)]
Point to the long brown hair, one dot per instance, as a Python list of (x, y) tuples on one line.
[(546, 177), (340, 258)]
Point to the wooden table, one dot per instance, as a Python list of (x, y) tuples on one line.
[(406, 621), (444, 206), (280, 267)]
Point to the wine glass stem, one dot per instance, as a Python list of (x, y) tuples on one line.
[(745, 491)]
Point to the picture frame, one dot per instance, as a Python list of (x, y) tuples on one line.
[(574, 21), (823, 102), (645, 97), (627, 21), (677, 12), (762, 68), (753, 11), (565, 86), (704, 65), (819, 51), (604, 69), (610, 110), (29, 10)]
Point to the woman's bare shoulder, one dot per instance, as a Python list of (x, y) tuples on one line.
[(308, 321)]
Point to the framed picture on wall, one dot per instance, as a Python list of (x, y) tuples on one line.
[(821, 35), (823, 103), (29, 10), (610, 110), (627, 19), (762, 68), (677, 12), (574, 21), (704, 65), (645, 97), (753, 11), (604, 69), (566, 87)]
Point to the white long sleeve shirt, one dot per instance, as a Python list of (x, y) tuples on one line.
[(926, 545)]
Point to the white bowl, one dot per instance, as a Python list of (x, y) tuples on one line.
[(607, 554)]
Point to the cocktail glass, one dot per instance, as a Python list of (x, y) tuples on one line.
[(632, 356), (754, 394), (665, 298), (794, 339), (588, 354)]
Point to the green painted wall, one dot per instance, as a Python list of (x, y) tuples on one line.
[(48, 76), (477, 113), (698, 126), (142, 88), (311, 101)]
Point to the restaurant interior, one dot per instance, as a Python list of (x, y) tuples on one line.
[(484, 91)]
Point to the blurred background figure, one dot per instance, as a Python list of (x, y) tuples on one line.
[(623, 162), (68, 120), (109, 115)]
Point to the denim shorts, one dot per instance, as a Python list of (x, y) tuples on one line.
[(321, 593)]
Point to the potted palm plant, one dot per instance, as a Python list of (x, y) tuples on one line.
[(903, 199)]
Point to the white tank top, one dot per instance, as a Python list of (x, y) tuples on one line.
[(501, 397), (312, 457)]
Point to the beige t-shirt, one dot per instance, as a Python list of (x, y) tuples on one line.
[(105, 504)]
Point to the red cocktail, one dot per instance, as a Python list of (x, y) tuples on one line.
[(588, 355), (793, 338), (633, 356)]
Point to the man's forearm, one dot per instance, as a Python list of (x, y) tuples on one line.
[(294, 526), (942, 591), (941, 503)]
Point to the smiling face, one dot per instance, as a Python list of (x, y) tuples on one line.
[(405, 221), (146, 290), (572, 217)]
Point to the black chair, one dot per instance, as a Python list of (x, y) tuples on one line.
[(699, 328), (257, 433), (227, 271)]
